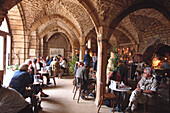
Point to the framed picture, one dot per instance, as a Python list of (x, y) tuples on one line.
[(31, 52), (56, 52)]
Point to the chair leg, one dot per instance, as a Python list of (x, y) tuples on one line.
[(144, 108), (113, 105), (74, 88), (46, 80), (100, 105), (75, 93), (79, 95), (87, 94), (54, 80)]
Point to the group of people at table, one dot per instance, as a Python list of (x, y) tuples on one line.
[(24, 77), (21, 86), (145, 88)]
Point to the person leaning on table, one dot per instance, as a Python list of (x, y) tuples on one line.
[(145, 88), (12, 102)]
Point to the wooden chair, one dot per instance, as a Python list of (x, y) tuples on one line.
[(152, 101), (105, 96), (74, 84), (79, 87), (51, 75)]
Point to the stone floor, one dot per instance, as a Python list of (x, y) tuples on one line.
[(60, 101)]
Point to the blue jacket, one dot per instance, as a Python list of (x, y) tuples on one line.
[(21, 80), (87, 59)]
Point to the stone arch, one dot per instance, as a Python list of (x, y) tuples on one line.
[(152, 48), (155, 5), (93, 36), (55, 42), (58, 29), (154, 44), (5, 6), (91, 11), (123, 30), (90, 34), (50, 17), (18, 33)]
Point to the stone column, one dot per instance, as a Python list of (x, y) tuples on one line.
[(102, 60), (73, 51), (82, 52)]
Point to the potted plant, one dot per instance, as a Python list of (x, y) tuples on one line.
[(72, 65)]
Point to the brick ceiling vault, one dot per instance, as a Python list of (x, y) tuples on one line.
[(6, 5), (132, 5), (39, 12), (79, 17)]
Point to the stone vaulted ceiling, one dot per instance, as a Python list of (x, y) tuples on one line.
[(35, 10), (79, 17), (138, 22)]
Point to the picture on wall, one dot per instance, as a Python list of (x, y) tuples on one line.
[(56, 52), (31, 52)]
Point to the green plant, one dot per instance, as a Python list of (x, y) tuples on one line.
[(115, 60), (72, 65), (13, 67)]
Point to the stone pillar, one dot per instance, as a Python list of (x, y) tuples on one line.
[(82, 52), (102, 60), (73, 52), (89, 43)]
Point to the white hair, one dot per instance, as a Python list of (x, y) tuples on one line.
[(148, 70), (23, 67), (27, 61)]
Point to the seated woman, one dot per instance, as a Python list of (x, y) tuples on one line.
[(55, 66)]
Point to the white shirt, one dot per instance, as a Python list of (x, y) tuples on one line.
[(63, 64), (94, 58)]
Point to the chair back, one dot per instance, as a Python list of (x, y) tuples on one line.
[(78, 82), (50, 71)]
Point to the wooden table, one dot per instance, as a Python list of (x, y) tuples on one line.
[(119, 90)]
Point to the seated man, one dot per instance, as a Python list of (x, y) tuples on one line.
[(83, 73), (12, 102), (22, 79), (145, 88)]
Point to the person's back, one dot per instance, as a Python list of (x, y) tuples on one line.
[(21, 80), (165, 65), (12, 102), (55, 65), (87, 58)]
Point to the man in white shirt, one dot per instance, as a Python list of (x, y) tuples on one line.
[(145, 88)]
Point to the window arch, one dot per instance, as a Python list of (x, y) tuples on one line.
[(5, 47)]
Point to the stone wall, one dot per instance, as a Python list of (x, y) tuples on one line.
[(18, 39), (59, 41), (157, 31)]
